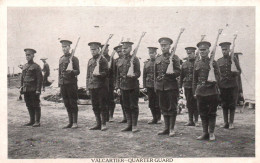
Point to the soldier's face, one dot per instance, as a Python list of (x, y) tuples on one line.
[(126, 49), (225, 52), (120, 54), (204, 52), (152, 55), (191, 55), (65, 49), (165, 48), (29, 57), (94, 51)]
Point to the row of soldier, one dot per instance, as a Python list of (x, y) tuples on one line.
[(163, 89)]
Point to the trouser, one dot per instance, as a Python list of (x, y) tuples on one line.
[(122, 106), (33, 105), (69, 94), (207, 109), (191, 104), (98, 100), (154, 104), (229, 98), (168, 102), (110, 102), (130, 102)]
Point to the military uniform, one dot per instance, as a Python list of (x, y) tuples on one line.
[(207, 93), (117, 61), (97, 85), (31, 83), (46, 74), (166, 86), (148, 82), (110, 97), (228, 85), (186, 78), (68, 85), (129, 87)]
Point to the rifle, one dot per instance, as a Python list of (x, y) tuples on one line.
[(130, 72), (70, 66), (96, 70), (211, 77), (233, 66), (198, 52), (113, 53), (170, 69)]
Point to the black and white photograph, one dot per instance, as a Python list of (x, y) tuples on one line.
[(130, 83)]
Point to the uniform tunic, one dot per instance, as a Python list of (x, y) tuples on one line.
[(186, 78), (206, 92), (68, 82), (129, 85), (31, 81), (166, 85), (148, 82), (97, 85), (229, 84)]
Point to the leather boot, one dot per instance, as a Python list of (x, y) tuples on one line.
[(124, 116), (32, 117), (129, 122), (37, 117), (166, 130), (158, 114), (196, 117), (205, 134), (106, 112), (70, 121), (98, 120), (190, 114), (111, 114), (134, 122), (75, 120), (212, 123), (172, 124), (231, 118), (103, 121), (225, 117), (154, 120)]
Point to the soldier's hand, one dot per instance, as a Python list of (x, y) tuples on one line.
[(68, 71), (87, 92), (145, 89), (38, 93), (118, 92), (195, 96)]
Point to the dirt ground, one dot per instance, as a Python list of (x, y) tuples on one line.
[(50, 141)]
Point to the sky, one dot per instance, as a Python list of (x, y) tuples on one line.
[(42, 27)]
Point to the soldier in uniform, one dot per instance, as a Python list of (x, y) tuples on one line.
[(110, 97), (148, 83), (118, 49), (68, 83), (206, 92), (166, 86), (186, 81), (31, 83), (97, 86), (46, 73), (228, 85), (129, 86)]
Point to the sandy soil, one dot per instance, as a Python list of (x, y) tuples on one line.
[(50, 141)]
